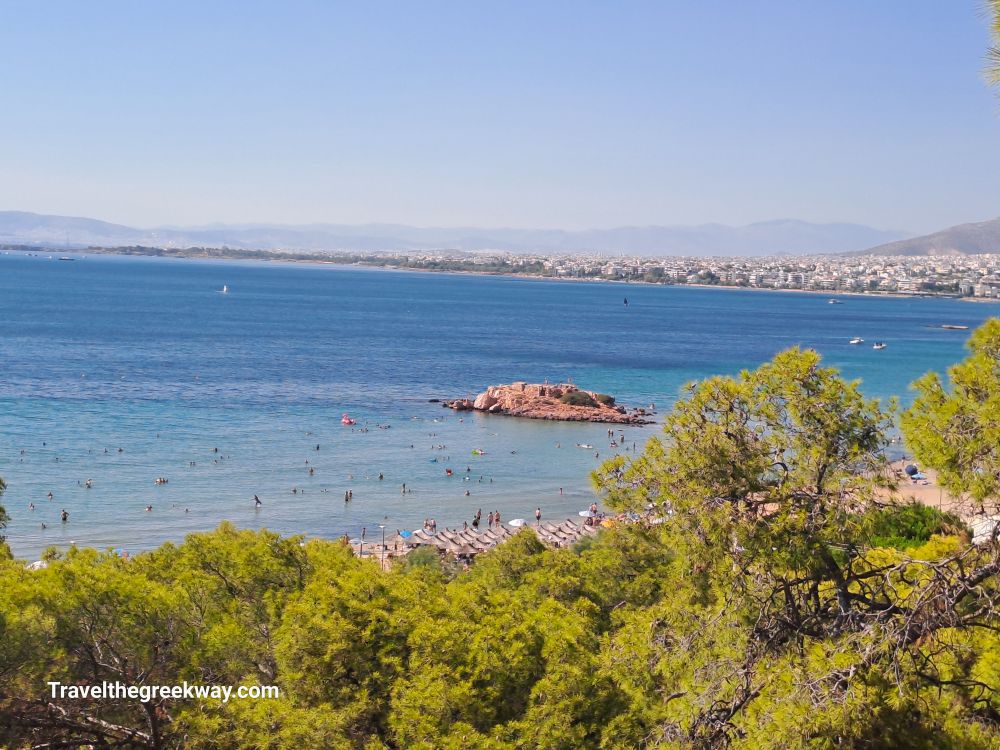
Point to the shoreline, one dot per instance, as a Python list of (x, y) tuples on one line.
[(325, 262)]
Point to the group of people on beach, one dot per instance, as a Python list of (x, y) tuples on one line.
[(492, 519)]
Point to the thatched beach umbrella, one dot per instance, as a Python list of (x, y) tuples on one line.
[(419, 537)]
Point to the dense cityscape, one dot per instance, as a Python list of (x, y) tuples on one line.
[(963, 276), (975, 276), (947, 275)]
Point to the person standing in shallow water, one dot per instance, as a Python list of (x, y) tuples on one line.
[(538, 515)]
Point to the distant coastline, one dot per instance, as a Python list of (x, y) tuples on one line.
[(401, 262)]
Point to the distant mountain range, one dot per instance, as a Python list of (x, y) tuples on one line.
[(785, 236), (964, 239)]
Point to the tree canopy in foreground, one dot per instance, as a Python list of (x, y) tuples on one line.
[(780, 603)]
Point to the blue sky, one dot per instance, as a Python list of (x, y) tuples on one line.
[(533, 114)]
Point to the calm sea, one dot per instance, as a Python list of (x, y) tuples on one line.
[(122, 370)]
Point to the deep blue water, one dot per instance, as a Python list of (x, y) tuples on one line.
[(146, 355)]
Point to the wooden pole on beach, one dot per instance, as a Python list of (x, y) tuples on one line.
[(382, 564)]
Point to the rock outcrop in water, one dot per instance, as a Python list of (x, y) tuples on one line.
[(563, 402)]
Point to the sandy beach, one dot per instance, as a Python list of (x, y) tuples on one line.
[(927, 491)]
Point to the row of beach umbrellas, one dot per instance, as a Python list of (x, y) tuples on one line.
[(469, 542)]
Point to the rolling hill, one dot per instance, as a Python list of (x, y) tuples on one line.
[(964, 239), (763, 238)]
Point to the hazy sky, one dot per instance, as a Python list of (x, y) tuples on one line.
[(533, 114)]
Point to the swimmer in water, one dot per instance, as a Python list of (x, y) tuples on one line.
[(256, 501)]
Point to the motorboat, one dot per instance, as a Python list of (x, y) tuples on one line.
[(950, 327), (880, 345), (834, 302), (857, 340)]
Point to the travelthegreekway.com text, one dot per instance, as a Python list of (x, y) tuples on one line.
[(148, 693)]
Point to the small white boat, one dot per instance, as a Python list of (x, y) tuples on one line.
[(834, 302), (224, 290), (857, 340), (880, 345)]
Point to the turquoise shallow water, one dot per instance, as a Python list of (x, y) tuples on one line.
[(147, 356)]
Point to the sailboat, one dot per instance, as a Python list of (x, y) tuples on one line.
[(224, 290)]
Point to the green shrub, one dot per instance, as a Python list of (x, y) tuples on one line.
[(605, 399), (422, 557), (911, 525), (577, 398)]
